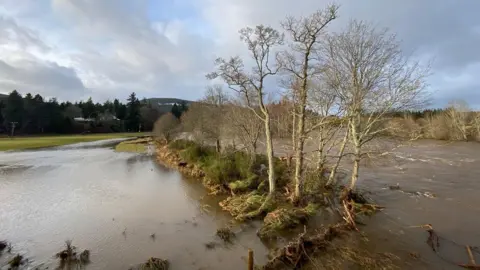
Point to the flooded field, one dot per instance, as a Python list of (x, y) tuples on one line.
[(111, 203), (439, 186)]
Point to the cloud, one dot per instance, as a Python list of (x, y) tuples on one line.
[(47, 78), (109, 48)]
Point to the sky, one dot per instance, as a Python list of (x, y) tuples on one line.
[(106, 49)]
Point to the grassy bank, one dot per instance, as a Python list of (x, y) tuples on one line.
[(139, 145), (243, 179), (18, 143)]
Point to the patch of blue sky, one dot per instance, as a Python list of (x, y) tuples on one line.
[(182, 10)]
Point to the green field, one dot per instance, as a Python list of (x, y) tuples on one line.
[(18, 143)]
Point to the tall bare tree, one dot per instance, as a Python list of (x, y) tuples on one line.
[(301, 61), (372, 77), (260, 42)]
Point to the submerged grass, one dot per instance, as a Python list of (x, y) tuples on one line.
[(19, 143), (241, 206), (134, 146), (285, 218)]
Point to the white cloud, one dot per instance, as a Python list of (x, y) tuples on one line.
[(108, 48)]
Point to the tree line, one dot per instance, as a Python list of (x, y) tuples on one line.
[(457, 122), (339, 91), (35, 115)]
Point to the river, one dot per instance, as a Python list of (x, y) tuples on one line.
[(447, 170), (91, 194), (111, 203)]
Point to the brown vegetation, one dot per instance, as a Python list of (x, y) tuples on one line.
[(69, 256), (152, 264), (455, 124), (166, 126)]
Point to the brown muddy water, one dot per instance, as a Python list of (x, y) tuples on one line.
[(90, 194), (450, 172)]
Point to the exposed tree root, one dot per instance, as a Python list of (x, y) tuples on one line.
[(297, 252)]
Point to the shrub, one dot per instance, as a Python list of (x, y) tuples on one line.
[(181, 144), (197, 153), (166, 126), (221, 170)]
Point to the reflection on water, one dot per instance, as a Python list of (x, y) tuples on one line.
[(112, 203)]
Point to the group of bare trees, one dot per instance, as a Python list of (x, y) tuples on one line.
[(458, 122), (336, 87)]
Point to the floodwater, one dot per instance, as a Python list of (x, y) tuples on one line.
[(111, 203), (439, 185), (448, 171)]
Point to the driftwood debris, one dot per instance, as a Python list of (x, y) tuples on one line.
[(433, 241), (296, 253)]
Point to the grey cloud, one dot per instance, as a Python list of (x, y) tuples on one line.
[(48, 79), (135, 55), (446, 31), (11, 32), (116, 49)]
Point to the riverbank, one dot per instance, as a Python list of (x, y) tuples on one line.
[(21, 143), (139, 145), (229, 173), (123, 207)]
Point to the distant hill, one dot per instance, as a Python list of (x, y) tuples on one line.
[(165, 104)]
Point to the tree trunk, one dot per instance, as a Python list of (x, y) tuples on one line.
[(300, 136), (217, 145), (253, 154), (269, 144), (331, 178), (299, 160), (321, 156), (356, 168), (294, 130), (354, 125)]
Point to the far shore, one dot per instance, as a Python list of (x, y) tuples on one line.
[(33, 142)]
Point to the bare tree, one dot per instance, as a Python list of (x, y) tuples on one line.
[(476, 124), (216, 99), (196, 122), (372, 77), (326, 121), (243, 124), (260, 41), (205, 119), (166, 126), (301, 62), (458, 113)]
